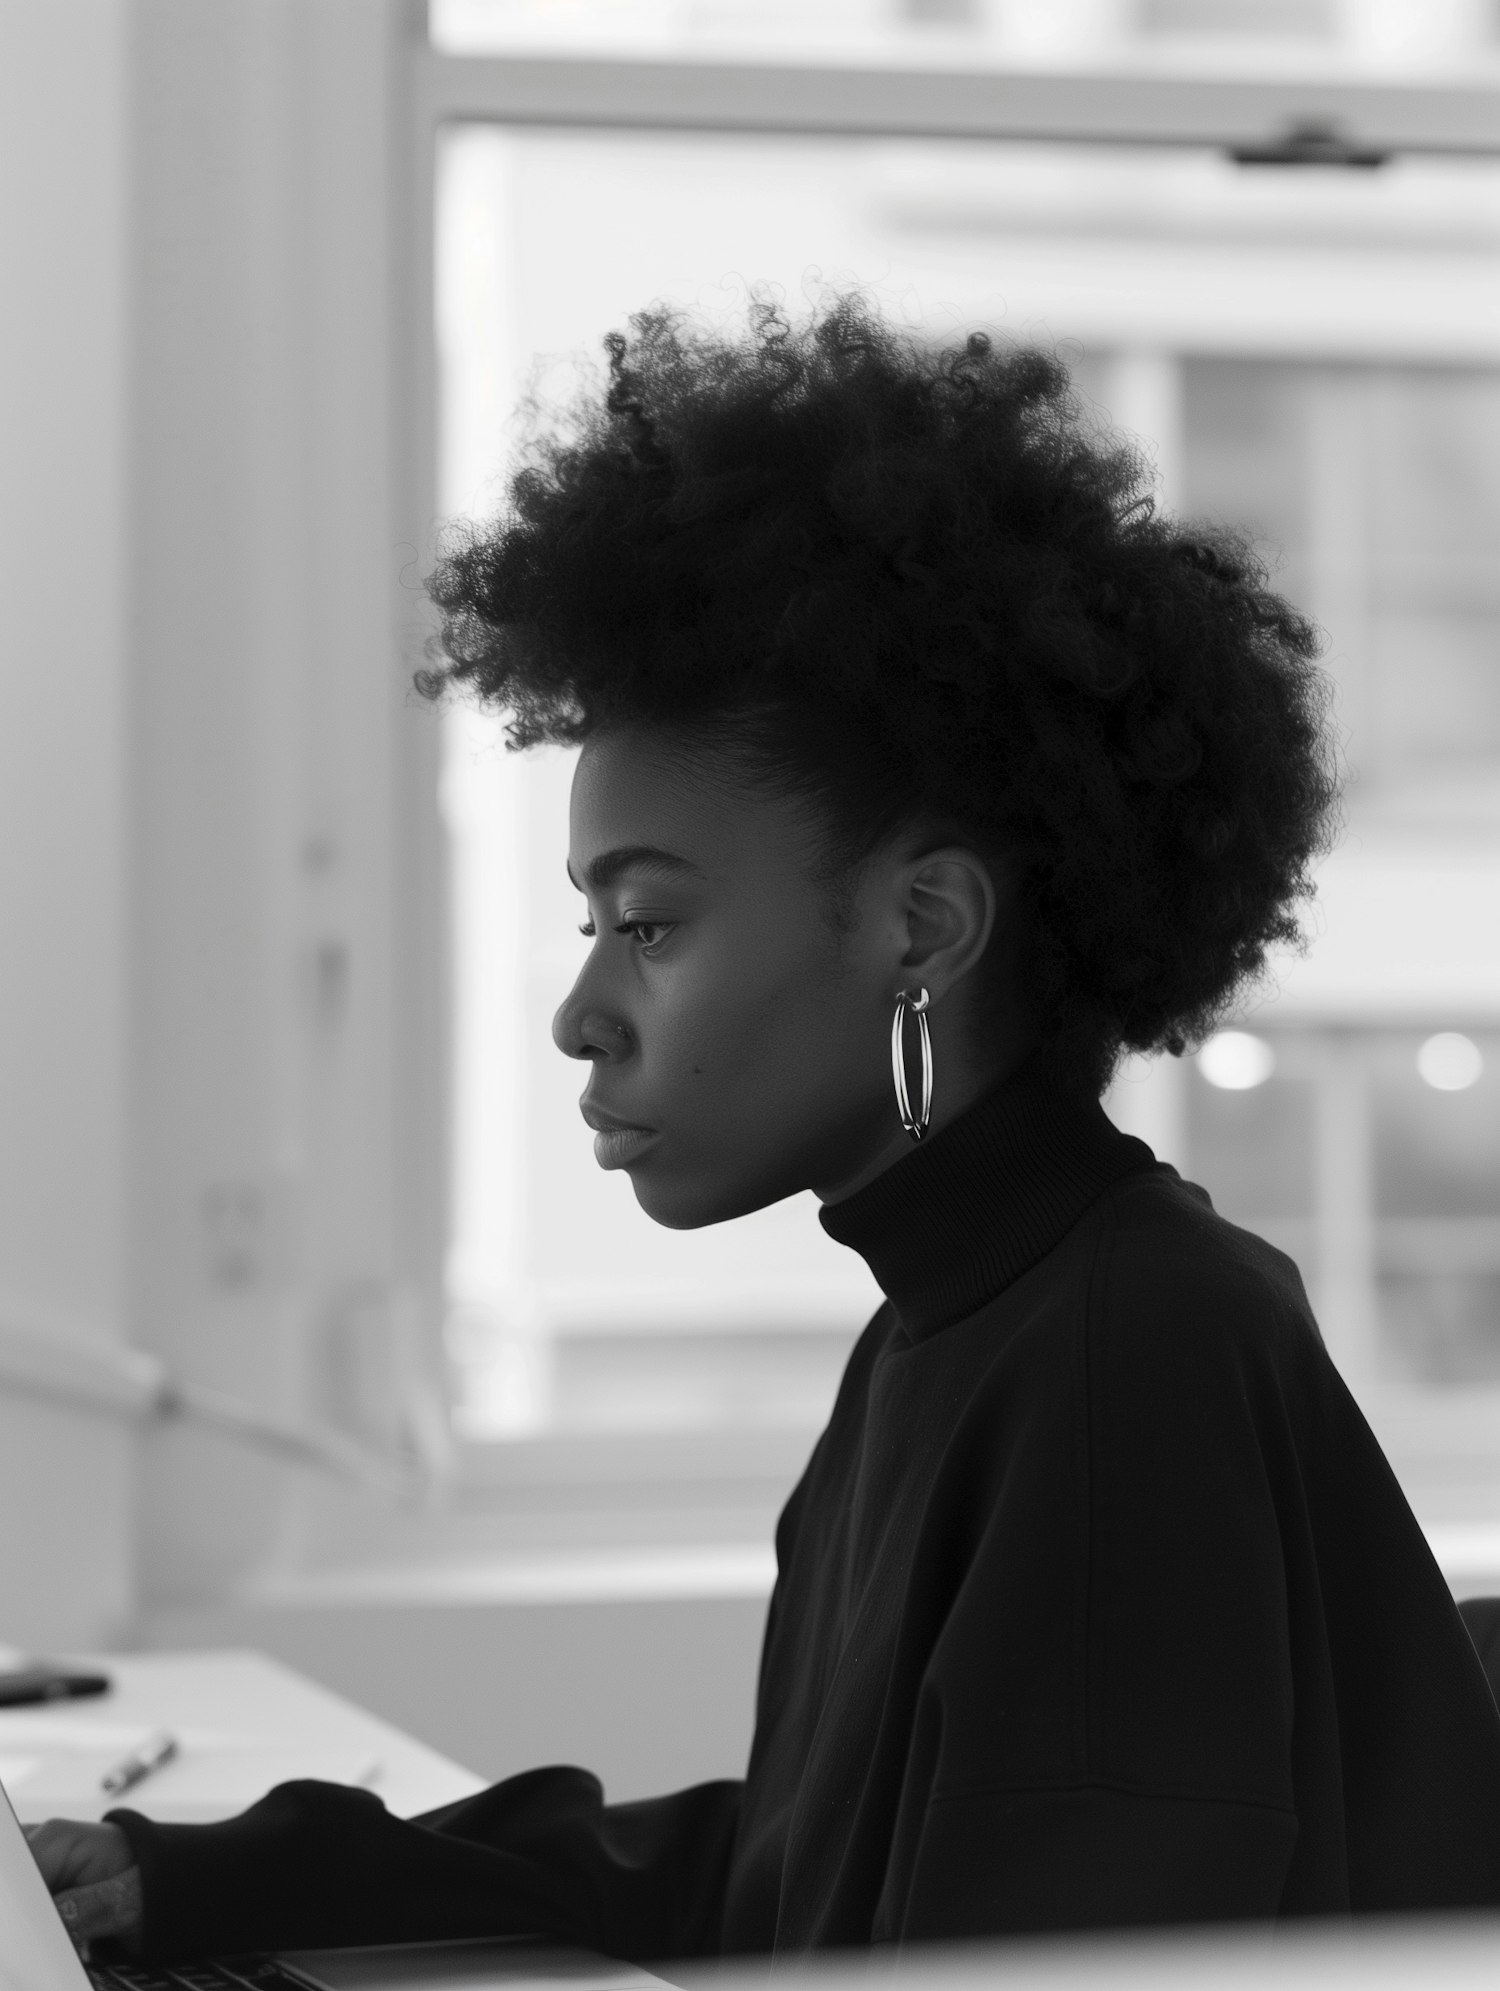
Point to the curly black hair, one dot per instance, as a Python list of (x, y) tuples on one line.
[(914, 585)]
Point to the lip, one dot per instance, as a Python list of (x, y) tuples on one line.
[(609, 1123), (616, 1142)]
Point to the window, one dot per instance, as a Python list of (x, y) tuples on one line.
[(1313, 353)]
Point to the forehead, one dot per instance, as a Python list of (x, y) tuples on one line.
[(636, 788)]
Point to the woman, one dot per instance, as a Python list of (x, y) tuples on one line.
[(907, 721)]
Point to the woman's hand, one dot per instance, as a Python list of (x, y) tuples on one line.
[(93, 1877)]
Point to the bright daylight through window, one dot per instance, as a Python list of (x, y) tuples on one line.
[(1314, 352)]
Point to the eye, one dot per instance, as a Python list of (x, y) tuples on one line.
[(648, 933)]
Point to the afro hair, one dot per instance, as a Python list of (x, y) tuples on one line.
[(914, 584)]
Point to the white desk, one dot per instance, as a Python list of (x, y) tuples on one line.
[(241, 1709), (239, 1718)]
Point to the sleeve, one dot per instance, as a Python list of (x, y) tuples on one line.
[(1021, 1862), (319, 1865)]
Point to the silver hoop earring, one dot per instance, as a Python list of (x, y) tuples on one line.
[(914, 1004)]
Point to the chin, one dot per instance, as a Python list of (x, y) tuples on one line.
[(679, 1204), (680, 1208)]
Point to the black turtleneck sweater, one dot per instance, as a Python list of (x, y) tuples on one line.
[(1098, 1604)]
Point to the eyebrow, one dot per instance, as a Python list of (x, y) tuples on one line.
[(611, 865)]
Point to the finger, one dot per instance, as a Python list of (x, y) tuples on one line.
[(61, 1849), (103, 1908), (54, 1847), (72, 1854)]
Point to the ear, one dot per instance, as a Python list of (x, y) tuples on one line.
[(950, 904)]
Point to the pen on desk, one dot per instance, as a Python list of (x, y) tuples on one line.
[(133, 1769)]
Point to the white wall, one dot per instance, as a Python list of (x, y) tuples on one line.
[(218, 1064), (65, 1479), (281, 1204)]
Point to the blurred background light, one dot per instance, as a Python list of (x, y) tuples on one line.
[(1235, 1061), (1450, 1062)]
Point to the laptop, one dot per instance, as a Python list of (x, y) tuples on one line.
[(37, 1954)]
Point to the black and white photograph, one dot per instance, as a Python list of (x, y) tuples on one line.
[(749, 995)]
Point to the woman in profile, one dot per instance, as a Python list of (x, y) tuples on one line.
[(926, 770)]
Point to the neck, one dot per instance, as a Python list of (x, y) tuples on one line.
[(965, 1215), (962, 1081)]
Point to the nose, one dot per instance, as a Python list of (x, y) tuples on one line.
[(583, 1029)]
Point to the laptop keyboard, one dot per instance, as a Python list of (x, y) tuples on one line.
[(240, 1974)]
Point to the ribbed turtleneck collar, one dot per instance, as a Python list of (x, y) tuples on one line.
[(961, 1217)]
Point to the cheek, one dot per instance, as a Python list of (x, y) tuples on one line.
[(763, 1028), (710, 1031)]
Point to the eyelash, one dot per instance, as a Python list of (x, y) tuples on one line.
[(588, 930)]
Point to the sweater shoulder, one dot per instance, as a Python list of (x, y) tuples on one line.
[(1170, 1271)]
